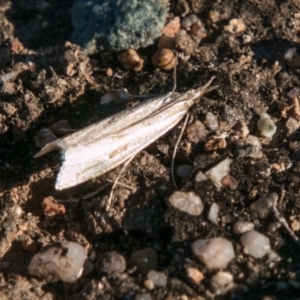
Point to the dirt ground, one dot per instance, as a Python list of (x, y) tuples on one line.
[(52, 80)]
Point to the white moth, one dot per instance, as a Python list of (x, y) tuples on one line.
[(102, 146)]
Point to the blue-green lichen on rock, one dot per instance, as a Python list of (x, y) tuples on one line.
[(116, 25)]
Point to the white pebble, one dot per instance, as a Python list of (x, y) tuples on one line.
[(215, 253), (158, 278), (213, 213), (211, 121), (63, 259), (266, 126), (221, 283), (200, 177), (242, 227), (187, 202), (218, 172), (255, 244)]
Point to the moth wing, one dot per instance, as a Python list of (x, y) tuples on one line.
[(82, 163), (106, 127)]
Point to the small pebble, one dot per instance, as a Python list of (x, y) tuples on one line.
[(51, 208), (215, 144), (242, 227), (111, 263), (255, 244), (166, 42), (295, 225), (218, 172), (172, 28), (230, 182), (187, 202), (198, 30), (292, 58), (43, 137), (144, 260), (186, 44), (200, 177), (215, 253), (221, 283), (196, 132), (109, 72), (211, 121), (213, 213), (263, 205), (144, 296), (274, 226), (235, 26), (194, 275), (130, 60), (214, 16), (251, 148), (116, 96), (29, 245), (158, 278), (184, 171), (188, 21), (149, 284), (266, 126), (292, 125), (62, 259), (164, 59)]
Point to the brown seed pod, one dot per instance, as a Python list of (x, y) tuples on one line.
[(164, 59), (130, 60)]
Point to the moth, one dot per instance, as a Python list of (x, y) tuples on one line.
[(100, 147)]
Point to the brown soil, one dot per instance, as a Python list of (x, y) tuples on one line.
[(52, 81)]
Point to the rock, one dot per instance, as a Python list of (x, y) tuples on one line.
[(242, 227), (51, 208), (111, 263), (144, 296), (144, 260), (187, 202), (251, 147), (222, 283), (149, 284), (172, 28), (255, 244), (184, 171), (218, 172), (211, 121), (61, 259), (194, 275), (292, 125), (196, 132), (230, 182), (103, 25), (164, 59), (263, 205), (215, 253), (213, 213), (266, 126), (43, 137), (158, 278), (200, 177), (130, 60), (215, 144), (235, 26)]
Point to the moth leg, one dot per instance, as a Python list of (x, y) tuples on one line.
[(116, 182), (175, 148)]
